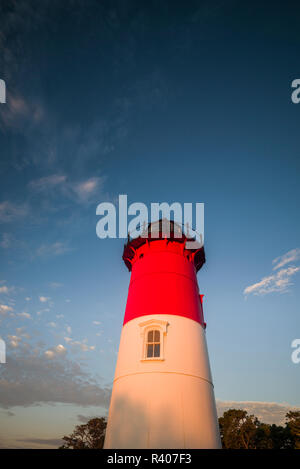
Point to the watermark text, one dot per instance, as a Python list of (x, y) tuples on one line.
[(189, 217), (2, 91)]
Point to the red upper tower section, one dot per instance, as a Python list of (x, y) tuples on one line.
[(163, 278)]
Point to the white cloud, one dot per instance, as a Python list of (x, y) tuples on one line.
[(69, 329), (5, 289), (44, 299), (27, 298), (83, 347), (97, 323), (52, 324), (34, 378), (5, 309), (79, 345), (86, 188), (55, 352), (289, 257), (14, 340), (68, 339), (278, 282), (266, 412), (24, 315), (45, 310)]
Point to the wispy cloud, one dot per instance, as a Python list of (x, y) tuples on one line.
[(6, 241), (55, 185), (10, 212), (53, 249), (274, 283), (48, 182), (279, 281), (86, 189), (288, 258), (20, 114)]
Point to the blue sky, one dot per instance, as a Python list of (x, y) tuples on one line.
[(163, 102)]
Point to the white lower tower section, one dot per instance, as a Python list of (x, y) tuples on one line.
[(166, 401)]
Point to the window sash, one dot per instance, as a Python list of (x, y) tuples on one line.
[(153, 346)]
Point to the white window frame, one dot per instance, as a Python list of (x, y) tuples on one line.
[(150, 325)]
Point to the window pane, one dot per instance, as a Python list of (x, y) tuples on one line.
[(150, 336), (156, 336), (150, 350), (157, 350)]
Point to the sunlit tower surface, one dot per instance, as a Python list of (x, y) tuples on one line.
[(163, 393)]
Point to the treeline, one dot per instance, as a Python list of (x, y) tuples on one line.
[(238, 431), (242, 431)]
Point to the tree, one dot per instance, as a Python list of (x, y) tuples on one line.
[(263, 436), (293, 424), (242, 431), (238, 429), (281, 437), (87, 436)]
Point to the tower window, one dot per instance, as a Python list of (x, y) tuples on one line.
[(153, 344), (153, 332)]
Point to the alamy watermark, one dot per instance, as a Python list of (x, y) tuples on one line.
[(2, 351), (2, 91), (181, 214), (295, 96), (296, 353)]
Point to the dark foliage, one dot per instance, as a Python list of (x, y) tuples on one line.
[(242, 431), (238, 431), (88, 436)]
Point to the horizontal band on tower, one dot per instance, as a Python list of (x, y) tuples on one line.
[(163, 372), (163, 272)]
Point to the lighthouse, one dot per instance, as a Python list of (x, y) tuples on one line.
[(163, 394)]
